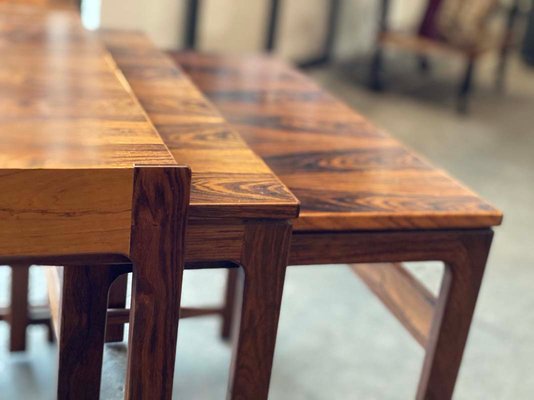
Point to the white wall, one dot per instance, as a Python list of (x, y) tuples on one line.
[(239, 25), (160, 19)]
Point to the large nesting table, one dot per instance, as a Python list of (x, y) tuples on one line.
[(365, 198)]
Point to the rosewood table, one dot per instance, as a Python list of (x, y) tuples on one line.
[(238, 216), (85, 183), (365, 198), (88, 183)]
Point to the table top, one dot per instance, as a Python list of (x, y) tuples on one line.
[(71, 133), (229, 180), (347, 174), (64, 104)]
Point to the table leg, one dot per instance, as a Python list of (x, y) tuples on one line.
[(18, 309), (452, 317), (228, 308), (117, 299), (160, 202), (83, 321), (264, 260)]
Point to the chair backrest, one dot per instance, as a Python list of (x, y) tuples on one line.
[(459, 22), (428, 24)]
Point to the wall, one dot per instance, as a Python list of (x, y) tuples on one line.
[(239, 25)]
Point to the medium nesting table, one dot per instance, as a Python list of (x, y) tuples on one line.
[(239, 212), (365, 198)]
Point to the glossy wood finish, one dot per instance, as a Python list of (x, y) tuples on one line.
[(346, 173), (229, 183), (82, 328), (161, 198), (87, 178), (452, 318), (229, 180), (159, 217), (239, 208), (69, 126), (264, 260), (463, 251), (365, 199)]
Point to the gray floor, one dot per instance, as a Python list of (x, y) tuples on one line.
[(335, 340)]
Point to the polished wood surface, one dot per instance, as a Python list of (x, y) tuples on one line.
[(159, 216), (71, 134), (159, 219), (347, 174), (365, 199), (64, 103), (239, 209), (264, 260), (82, 328), (229, 180)]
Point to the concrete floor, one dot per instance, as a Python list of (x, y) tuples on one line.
[(336, 341)]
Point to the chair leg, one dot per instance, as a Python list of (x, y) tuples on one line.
[(18, 310), (501, 69), (117, 299), (375, 73), (424, 64), (452, 318), (229, 304), (82, 330), (506, 45), (466, 87), (264, 260)]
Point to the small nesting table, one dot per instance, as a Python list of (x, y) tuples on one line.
[(365, 198)]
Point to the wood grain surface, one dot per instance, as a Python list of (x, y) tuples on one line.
[(229, 180), (64, 103), (71, 132), (159, 218), (347, 174), (82, 330)]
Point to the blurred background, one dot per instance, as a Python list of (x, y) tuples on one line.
[(460, 92)]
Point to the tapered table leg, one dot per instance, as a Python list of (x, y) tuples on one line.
[(452, 318), (264, 260), (82, 328), (117, 299), (18, 309), (160, 202), (229, 304)]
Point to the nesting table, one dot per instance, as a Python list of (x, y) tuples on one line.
[(365, 198), (88, 183), (94, 129)]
